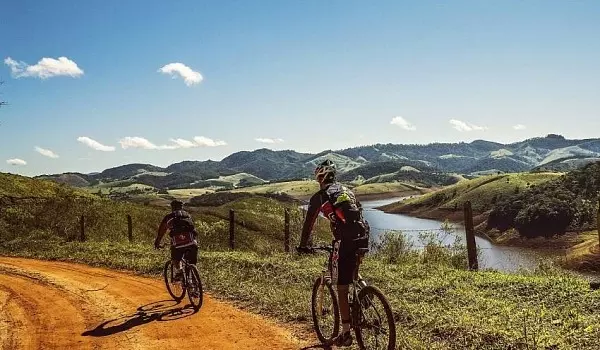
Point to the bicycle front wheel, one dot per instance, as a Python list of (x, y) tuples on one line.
[(325, 311), (194, 287), (175, 288), (376, 328)]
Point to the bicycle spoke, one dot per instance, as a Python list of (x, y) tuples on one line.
[(374, 324)]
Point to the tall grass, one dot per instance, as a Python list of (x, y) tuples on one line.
[(436, 306)]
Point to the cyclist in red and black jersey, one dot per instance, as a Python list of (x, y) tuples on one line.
[(350, 231), (183, 236)]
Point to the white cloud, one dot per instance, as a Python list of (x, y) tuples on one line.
[(183, 143), (206, 142), (95, 144), (403, 123), (519, 127), (463, 126), (140, 142), (45, 68), (46, 152), (16, 161), (190, 77), (268, 140)]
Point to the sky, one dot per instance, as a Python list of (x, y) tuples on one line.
[(96, 84)]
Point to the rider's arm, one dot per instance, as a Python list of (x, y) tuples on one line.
[(314, 206), (162, 229)]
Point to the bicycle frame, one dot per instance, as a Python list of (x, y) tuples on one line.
[(358, 283)]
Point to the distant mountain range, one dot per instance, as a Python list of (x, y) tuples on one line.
[(380, 162)]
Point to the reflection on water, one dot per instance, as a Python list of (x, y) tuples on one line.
[(491, 256)]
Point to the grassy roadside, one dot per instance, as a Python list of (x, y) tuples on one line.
[(436, 306)]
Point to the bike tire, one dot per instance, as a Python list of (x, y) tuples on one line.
[(366, 295), (168, 275), (194, 279), (323, 335)]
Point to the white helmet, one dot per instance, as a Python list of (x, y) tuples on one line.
[(325, 172)]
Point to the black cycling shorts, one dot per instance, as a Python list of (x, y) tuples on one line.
[(343, 262), (191, 254)]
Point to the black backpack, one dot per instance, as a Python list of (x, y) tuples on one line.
[(181, 223)]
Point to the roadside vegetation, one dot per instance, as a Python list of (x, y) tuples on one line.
[(437, 303)]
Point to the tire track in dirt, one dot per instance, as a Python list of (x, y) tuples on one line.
[(51, 305)]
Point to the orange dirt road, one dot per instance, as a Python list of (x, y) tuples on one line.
[(56, 305)]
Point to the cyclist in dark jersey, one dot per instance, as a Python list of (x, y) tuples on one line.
[(350, 231), (183, 236)]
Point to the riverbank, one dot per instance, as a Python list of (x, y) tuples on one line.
[(579, 251)]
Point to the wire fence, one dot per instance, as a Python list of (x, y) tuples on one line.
[(83, 218)]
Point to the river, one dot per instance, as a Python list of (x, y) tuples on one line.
[(491, 256)]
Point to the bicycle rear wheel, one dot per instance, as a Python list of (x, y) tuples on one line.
[(376, 328), (194, 287), (325, 311), (175, 288)]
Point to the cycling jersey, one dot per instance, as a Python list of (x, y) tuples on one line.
[(340, 206)]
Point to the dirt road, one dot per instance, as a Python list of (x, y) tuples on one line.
[(55, 305)]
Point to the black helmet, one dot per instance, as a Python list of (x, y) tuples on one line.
[(176, 205), (325, 172)]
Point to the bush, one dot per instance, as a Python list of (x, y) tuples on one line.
[(393, 248)]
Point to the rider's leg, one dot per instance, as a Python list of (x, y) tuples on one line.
[(345, 267), (344, 307), (176, 255), (192, 255)]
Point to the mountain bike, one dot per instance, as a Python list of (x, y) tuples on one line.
[(190, 282), (373, 324)]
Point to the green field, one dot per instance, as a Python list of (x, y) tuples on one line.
[(188, 193), (483, 192), (435, 306), (292, 188), (303, 189), (21, 186), (385, 187)]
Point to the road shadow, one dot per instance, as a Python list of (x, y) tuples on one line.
[(164, 310), (318, 346)]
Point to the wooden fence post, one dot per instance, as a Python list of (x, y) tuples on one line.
[(286, 231), (470, 232), (129, 228), (82, 228), (598, 220), (231, 229)]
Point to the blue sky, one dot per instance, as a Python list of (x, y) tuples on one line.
[(305, 75)]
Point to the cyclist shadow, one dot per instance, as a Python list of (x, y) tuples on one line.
[(164, 310), (318, 346)]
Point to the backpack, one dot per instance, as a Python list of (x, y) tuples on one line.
[(182, 230), (358, 230)]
